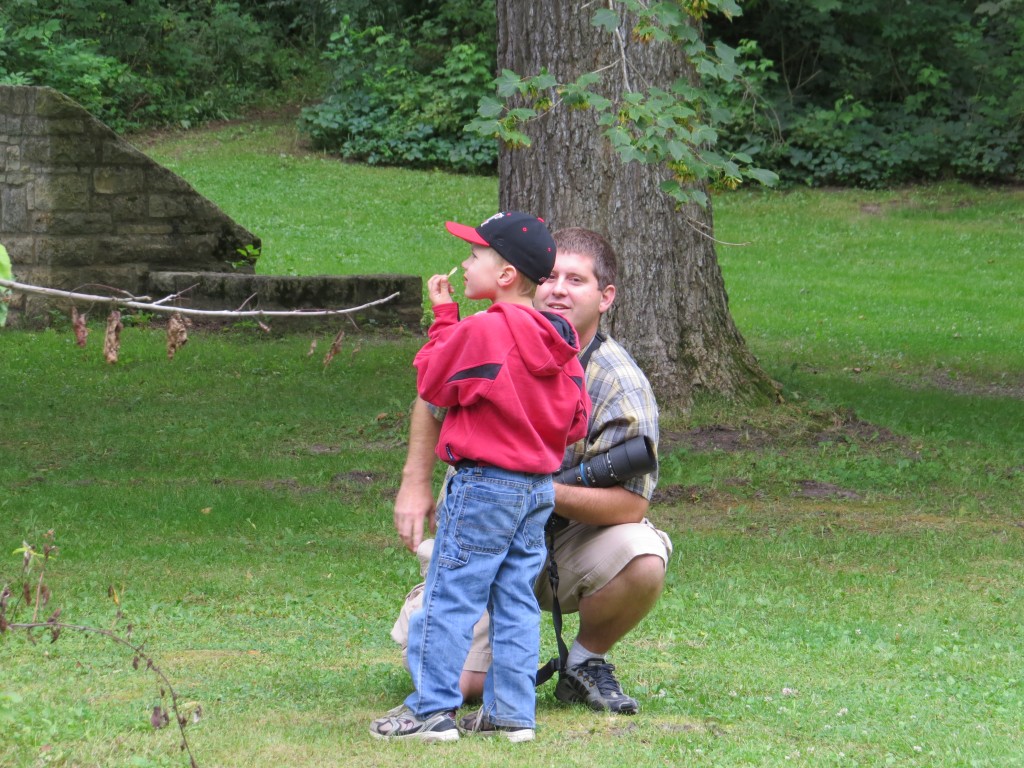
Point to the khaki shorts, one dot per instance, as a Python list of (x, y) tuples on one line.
[(588, 557)]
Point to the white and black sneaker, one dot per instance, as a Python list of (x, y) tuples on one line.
[(479, 724), (401, 723), (593, 683)]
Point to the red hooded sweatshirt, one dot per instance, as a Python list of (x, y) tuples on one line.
[(512, 385)]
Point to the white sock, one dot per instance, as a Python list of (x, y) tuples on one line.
[(578, 654)]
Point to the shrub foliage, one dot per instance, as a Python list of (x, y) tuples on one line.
[(855, 93), (155, 62), (402, 95), (872, 93)]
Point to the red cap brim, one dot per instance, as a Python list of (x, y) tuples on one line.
[(469, 234)]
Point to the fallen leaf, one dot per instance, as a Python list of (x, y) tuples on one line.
[(112, 339), (78, 323), (177, 334), (335, 347)]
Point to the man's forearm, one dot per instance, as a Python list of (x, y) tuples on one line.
[(415, 500), (599, 506), (424, 431)]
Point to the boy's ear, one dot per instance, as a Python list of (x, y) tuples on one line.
[(507, 276)]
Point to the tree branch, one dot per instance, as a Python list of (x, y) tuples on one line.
[(158, 306)]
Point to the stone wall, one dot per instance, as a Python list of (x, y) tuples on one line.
[(80, 209)]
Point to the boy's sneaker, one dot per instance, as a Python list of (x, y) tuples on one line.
[(401, 723), (593, 683), (480, 724)]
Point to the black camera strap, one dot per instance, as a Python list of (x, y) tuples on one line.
[(557, 664)]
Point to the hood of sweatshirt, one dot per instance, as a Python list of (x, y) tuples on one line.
[(558, 341)]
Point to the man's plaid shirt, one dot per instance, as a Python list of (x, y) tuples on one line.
[(623, 407)]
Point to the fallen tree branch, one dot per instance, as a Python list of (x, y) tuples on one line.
[(86, 298)]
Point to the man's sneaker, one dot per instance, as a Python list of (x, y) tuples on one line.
[(401, 723), (478, 723), (593, 683)]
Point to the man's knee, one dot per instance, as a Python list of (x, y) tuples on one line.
[(644, 574)]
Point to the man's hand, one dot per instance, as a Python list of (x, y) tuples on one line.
[(414, 505)]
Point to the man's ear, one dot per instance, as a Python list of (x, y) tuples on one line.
[(607, 297)]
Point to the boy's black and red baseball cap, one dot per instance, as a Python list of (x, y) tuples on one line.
[(521, 239)]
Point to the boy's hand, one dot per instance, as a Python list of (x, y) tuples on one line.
[(439, 290)]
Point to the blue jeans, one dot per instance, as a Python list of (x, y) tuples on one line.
[(488, 553)]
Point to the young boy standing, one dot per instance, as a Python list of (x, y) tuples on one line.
[(515, 395)]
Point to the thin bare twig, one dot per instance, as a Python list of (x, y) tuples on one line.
[(158, 307)]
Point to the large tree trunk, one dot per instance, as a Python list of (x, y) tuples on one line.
[(672, 309)]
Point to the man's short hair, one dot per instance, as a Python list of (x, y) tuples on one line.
[(588, 243)]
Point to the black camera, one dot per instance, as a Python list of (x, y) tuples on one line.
[(625, 460)]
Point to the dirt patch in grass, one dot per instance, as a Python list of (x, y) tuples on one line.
[(812, 489), (815, 430), (950, 381), (833, 427), (715, 437)]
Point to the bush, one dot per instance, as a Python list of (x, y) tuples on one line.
[(394, 103), (146, 63), (874, 93)]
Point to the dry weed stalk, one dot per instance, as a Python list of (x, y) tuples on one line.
[(35, 594)]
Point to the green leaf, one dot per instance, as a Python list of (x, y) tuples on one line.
[(508, 83), (5, 273), (490, 107), (766, 177), (606, 19), (543, 80)]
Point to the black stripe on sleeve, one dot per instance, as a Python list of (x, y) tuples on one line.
[(486, 371)]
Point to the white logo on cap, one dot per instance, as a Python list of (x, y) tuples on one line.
[(498, 215)]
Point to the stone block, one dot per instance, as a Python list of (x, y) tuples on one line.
[(66, 250), (144, 228), (71, 149), (21, 249), (107, 180), (76, 223), (13, 209), (118, 152), (125, 210), (163, 206), (11, 158), (59, 192), (54, 105)]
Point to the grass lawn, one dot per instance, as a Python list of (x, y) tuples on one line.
[(846, 587)]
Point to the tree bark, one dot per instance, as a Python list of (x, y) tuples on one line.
[(671, 309)]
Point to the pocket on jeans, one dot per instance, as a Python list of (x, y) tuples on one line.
[(488, 518), (534, 531)]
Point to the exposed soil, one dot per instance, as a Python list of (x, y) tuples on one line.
[(837, 427)]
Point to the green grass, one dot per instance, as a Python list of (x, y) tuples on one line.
[(925, 280), (846, 587), (316, 215)]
